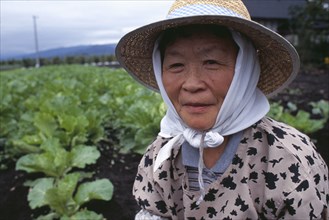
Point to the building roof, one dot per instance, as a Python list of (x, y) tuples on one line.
[(271, 9)]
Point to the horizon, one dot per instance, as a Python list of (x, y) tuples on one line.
[(33, 54), (71, 23)]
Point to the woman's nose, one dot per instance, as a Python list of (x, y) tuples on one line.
[(194, 80)]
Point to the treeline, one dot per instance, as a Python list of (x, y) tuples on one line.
[(310, 24), (31, 62)]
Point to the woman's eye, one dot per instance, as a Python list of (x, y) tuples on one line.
[(176, 67), (211, 62)]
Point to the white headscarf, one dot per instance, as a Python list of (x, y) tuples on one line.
[(243, 105)]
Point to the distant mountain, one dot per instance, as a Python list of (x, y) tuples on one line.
[(83, 50)]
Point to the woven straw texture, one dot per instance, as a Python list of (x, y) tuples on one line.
[(278, 60), (234, 5)]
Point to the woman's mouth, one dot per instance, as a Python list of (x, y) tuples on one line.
[(196, 108)]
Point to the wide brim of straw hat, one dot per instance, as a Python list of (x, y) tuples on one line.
[(278, 59)]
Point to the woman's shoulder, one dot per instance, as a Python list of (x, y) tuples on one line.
[(280, 164), (278, 133), (156, 145), (280, 142), (280, 129), (151, 152)]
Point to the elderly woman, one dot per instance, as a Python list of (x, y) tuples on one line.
[(217, 155)]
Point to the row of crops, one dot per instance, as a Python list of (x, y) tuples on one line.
[(52, 119)]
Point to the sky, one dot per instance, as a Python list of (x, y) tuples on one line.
[(64, 23)]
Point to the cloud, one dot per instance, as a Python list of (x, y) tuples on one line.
[(69, 23)]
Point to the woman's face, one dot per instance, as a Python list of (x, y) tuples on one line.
[(197, 72)]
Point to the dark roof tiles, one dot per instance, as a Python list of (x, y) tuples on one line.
[(271, 9)]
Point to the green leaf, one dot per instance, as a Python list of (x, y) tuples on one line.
[(84, 155), (32, 139), (51, 145), (49, 216), (78, 139), (36, 196), (61, 103), (28, 163), (68, 122), (99, 189), (24, 148), (105, 98), (60, 197), (46, 124), (292, 107), (54, 161), (84, 215), (76, 127), (276, 111), (144, 137), (95, 128), (33, 163), (321, 108)]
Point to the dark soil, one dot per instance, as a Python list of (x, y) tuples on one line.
[(121, 168)]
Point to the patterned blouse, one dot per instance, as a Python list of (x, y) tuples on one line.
[(276, 173)]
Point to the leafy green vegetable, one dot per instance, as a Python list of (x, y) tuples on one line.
[(36, 196), (60, 197), (46, 123), (54, 161), (83, 155), (302, 120), (83, 215), (320, 108), (99, 189)]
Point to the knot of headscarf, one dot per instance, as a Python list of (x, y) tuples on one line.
[(211, 139)]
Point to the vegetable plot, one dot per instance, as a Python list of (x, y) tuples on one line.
[(52, 119)]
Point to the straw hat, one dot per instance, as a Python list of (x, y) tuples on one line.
[(278, 59)]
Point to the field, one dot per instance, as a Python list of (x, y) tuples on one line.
[(67, 131)]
